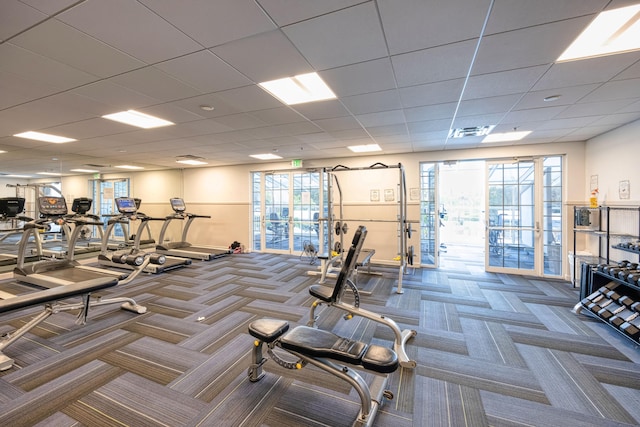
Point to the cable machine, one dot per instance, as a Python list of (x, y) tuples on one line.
[(338, 224)]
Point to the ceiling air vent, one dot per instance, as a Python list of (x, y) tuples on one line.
[(91, 165), (471, 131)]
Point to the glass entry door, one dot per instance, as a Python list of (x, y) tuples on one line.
[(286, 209), (429, 215), (513, 223), (105, 191)]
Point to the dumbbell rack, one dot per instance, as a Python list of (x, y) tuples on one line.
[(613, 296)]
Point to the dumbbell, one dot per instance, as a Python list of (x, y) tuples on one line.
[(633, 277), (623, 316), (632, 328), (631, 267), (611, 310)]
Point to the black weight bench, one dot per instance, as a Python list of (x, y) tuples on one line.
[(329, 352), (332, 296), (50, 298)]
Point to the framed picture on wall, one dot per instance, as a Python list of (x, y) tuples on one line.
[(624, 189), (374, 195), (389, 195)]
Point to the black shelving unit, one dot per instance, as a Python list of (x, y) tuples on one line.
[(600, 222), (610, 286)]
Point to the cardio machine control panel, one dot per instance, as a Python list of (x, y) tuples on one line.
[(52, 206), (177, 204), (126, 205)]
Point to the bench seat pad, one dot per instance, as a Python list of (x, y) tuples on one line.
[(268, 330), (324, 344), (321, 292)]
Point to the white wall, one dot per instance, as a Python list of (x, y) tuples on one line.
[(612, 158)]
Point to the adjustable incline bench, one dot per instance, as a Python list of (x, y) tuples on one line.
[(51, 299), (331, 352), (326, 350), (333, 297)]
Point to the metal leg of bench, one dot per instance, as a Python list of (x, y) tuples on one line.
[(127, 304), (7, 362), (367, 413), (401, 336), (257, 360)]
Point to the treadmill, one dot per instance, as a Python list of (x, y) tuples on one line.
[(80, 208), (11, 209), (128, 212), (48, 273), (184, 248)]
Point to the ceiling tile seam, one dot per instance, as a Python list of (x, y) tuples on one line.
[(473, 59), (393, 70), (49, 17)]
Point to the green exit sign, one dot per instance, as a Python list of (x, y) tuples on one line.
[(296, 163)]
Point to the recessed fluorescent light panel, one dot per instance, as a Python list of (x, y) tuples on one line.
[(50, 173), (38, 136), (136, 118), (612, 31), (367, 148), (191, 162), (267, 156), (130, 167), (84, 170), (16, 176), (506, 136), (299, 89)]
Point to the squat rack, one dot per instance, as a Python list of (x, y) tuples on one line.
[(339, 223)]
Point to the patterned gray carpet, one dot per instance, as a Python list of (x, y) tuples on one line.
[(492, 350)]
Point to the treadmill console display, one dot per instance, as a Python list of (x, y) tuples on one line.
[(10, 207), (126, 205), (177, 204), (81, 205), (52, 206)]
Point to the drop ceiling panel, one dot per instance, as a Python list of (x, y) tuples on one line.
[(17, 90), (40, 69), (430, 112), (15, 16), (263, 57), (153, 82), (432, 93), (338, 124), (58, 41), (503, 83), (594, 70), (282, 12), (371, 102), (321, 110), (415, 26), (204, 71), (528, 47), (50, 7), (510, 15), (593, 108), (340, 38), (364, 77), (533, 114), (203, 21), (569, 96), (382, 118), (494, 104), (279, 116), (435, 64), (130, 27), (619, 89), (249, 98), (116, 96)]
